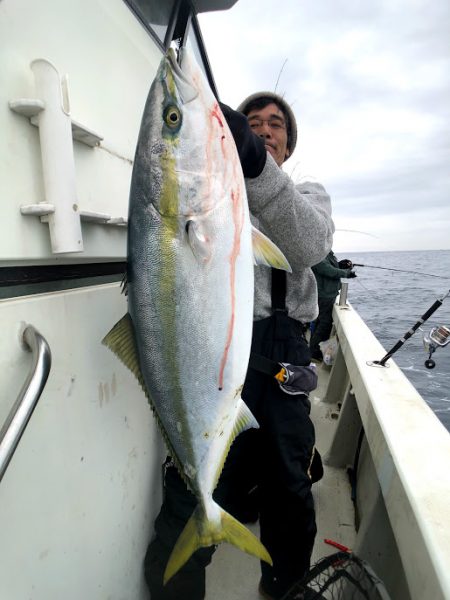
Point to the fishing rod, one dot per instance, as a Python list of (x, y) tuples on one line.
[(439, 336), (400, 270)]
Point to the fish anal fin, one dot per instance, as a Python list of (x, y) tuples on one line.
[(265, 252), (244, 420), (199, 532)]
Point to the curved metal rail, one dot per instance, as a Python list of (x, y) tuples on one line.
[(21, 412)]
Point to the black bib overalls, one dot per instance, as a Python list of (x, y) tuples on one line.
[(266, 473)]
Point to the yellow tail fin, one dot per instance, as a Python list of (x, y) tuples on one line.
[(199, 533)]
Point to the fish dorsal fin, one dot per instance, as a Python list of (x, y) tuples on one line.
[(265, 252), (122, 342), (124, 284), (198, 241), (244, 420)]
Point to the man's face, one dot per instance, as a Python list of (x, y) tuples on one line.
[(269, 123)]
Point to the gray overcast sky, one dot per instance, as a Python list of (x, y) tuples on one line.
[(369, 82)]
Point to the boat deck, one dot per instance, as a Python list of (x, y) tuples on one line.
[(234, 575)]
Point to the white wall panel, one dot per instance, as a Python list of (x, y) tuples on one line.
[(78, 500)]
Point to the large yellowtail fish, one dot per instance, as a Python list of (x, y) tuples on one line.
[(187, 335)]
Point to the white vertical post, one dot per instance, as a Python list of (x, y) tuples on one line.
[(58, 162), (343, 294)]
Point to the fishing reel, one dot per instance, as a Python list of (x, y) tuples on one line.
[(437, 338)]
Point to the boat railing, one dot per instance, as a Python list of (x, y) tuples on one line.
[(398, 455), (22, 409)]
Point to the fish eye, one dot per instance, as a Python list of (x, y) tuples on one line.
[(172, 117)]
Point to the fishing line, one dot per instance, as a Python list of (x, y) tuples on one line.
[(401, 271), (297, 164), (363, 286), (279, 75), (358, 231)]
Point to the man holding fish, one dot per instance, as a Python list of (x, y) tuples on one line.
[(277, 458), (197, 305)]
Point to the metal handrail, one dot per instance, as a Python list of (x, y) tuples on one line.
[(23, 408)]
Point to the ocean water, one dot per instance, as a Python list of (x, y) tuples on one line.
[(390, 302)]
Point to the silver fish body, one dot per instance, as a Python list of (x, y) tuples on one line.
[(190, 290)]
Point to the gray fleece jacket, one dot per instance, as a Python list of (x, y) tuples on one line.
[(297, 218)]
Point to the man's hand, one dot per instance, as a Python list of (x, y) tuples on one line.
[(250, 147), (351, 274), (345, 264)]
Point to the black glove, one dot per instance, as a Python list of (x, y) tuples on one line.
[(250, 147), (351, 274), (345, 264)]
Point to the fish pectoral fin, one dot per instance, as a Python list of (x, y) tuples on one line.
[(199, 532), (122, 342), (265, 252), (198, 241)]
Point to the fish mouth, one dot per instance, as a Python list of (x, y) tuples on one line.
[(181, 74)]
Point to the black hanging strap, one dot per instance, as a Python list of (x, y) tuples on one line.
[(258, 362), (278, 289), (264, 365)]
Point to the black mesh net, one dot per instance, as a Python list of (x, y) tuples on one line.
[(340, 576)]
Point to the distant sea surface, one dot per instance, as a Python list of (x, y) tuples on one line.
[(390, 302)]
